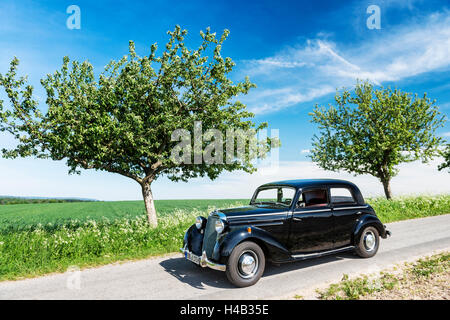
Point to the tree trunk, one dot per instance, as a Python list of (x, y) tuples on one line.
[(149, 204), (387, 188)]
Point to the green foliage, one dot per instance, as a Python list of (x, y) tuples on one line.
[(409, 207), (446, 155), (352, 289), (122, 121), (428, 266), (373, 130)]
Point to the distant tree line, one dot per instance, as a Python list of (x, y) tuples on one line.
[(11, 200)]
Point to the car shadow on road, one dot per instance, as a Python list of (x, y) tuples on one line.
[(194, 275), (199, 277)]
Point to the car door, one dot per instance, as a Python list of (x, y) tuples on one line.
[(311, 228), (345, 214), (272, 218)]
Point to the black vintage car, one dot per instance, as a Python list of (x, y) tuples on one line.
[(285, 221)]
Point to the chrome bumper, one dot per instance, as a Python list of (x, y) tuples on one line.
[(388, 232), (204, 261)]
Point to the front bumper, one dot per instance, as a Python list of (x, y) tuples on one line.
[(203, 261)]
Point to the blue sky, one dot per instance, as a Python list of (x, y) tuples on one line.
[(297, 52)]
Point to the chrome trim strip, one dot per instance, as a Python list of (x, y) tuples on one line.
[(317, 254), (256, 224), (346, 208), (258, 215), (305, 210), (205, 262)]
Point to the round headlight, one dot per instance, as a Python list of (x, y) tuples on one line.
[(219, 226), (199, 222)]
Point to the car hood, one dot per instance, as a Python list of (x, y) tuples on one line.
[(252, 210)]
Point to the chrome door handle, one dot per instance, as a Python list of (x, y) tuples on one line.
[(297, 219), (359, 212)]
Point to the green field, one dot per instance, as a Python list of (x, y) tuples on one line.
[(19, 217)]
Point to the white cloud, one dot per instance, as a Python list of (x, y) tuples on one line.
[(316, 68), (49, 179), (446, 134), (413, 178)]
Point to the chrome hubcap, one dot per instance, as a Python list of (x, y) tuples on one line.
[(369, 241), (248, 264)]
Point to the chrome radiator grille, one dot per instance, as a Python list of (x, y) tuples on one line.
[(210, 236)]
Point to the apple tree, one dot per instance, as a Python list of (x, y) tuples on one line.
[(122, 120), (372, 131)]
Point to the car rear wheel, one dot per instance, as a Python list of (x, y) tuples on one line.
[(368, 242), (246, 264)]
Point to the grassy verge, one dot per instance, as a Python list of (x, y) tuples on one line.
[(427, 278), (29, 248), (41, 249), (403, 208)]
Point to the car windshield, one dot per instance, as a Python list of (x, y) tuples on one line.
[(278, 196)]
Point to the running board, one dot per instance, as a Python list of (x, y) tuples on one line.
[(320, 254)]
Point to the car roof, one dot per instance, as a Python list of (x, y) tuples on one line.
[(302, 183)]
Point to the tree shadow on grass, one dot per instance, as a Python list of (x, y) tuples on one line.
[(199, 278)]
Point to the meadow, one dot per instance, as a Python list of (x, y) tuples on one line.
[(20, 217), (36, 239)]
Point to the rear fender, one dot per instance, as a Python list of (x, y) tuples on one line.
[(365, 221)]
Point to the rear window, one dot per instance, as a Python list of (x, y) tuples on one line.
[(341, 196)]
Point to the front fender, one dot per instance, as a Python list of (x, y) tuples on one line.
[(368, 220), (275, 250), (193, 240)]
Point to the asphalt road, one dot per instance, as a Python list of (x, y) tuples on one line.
[(172, 277)]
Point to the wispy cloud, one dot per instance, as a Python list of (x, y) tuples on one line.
[(271, 100), (317, 67)]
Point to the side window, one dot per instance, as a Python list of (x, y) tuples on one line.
[(313, 199), (341, 196)]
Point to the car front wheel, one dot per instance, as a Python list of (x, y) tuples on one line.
[(368, 242), (246, 264)]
